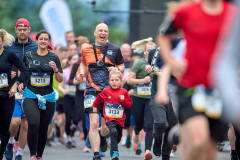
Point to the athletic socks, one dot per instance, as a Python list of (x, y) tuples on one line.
[(20, 151), (11, 140)]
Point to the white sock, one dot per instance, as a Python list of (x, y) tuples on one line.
[(11, 140), (20, 151)]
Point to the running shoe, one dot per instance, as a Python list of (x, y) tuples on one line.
[(97, 157), (148, 155), (18, 157), (101, 153), (15, 147), (9, 151), (234, 156), (173, 135), (88, 144), (135, 146), (69, 145), (61, 141), (115, 155), (138, 150), (82, 135), (39, 158), (33, 158), (48, 143), (73, 144), (171, 154), (123, 141), (128, 142), (157, 148), (103, 143), (56, 139), (86, 149), (111, 151)]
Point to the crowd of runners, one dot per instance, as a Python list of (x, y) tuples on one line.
[(166, 93)]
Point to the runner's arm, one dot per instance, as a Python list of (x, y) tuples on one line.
[(121, 67), (132, 79), (127, 102), (98, 100)]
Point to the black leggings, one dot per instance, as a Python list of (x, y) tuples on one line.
[(72, 113), (164, 120), (6, 111), (142, 113), (38, 122), (115, 134), (80, 104)]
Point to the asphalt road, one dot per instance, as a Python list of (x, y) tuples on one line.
[(59, 152)]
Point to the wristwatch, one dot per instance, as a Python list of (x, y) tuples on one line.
[(18, 83)]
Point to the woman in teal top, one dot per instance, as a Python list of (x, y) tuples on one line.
[(141, 101)]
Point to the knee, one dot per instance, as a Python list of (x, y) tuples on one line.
[(163, 125), (114, 131), (105, 128), (15, 122), (33, 124), (94, 124), (24, 125)]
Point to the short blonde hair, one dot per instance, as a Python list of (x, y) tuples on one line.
[(115, 71), (9, 39), (150, 44)]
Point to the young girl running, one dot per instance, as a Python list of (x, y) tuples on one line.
[(70, 107), (115, 100)]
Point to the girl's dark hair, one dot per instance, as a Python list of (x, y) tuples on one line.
[(44, 32)]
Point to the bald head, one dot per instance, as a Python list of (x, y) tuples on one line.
[(126, 52), (101, 25), (101, 34)]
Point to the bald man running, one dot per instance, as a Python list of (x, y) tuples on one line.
[(98, 59)]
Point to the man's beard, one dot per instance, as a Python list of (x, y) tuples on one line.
[(23, 38)]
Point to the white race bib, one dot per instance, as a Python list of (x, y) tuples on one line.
[(208, 101), (72, 88), (18, 95), (40, 79), (88, 101), (3, 80), (144, 89), (114, 110), (82, 86)]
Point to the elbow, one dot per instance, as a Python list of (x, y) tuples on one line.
[(60, 80)]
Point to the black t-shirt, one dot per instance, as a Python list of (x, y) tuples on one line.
[(7, 59), (40, 74)]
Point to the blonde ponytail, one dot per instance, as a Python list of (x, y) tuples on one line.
[(9, 39), (139, 46)]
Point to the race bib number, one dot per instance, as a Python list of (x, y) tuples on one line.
[(208, 101), (82, 86), (3, 80), (114, 110), (157, 71), (18, 95), (88, 101), (40, 79), (144, 89)]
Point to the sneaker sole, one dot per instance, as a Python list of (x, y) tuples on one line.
[(115, 158), (148, 156), (138, 151)]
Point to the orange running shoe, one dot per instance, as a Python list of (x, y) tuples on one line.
[(148, 155)]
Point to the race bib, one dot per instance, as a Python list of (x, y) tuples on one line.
[(114, 110), (18, 95), (208, 101), (144, 89), (82, 86), (88, 101), (40, 79), (72, 89), (157, 71), (3, 80)]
